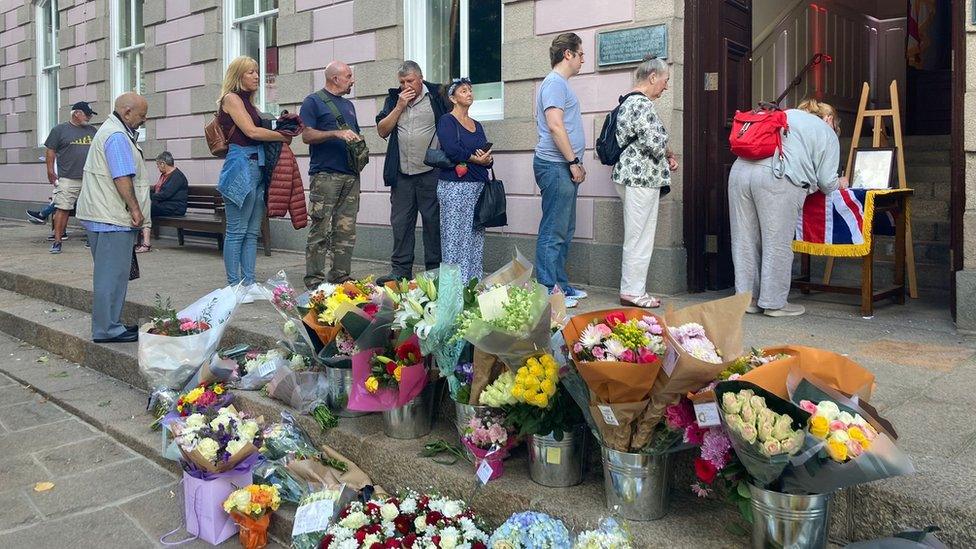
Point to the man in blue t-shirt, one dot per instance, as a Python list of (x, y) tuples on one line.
[(334, 190), (557, 165)]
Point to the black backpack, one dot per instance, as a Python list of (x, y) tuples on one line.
[(607, 147)]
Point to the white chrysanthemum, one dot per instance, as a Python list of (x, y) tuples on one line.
[(449, 538), (615, 347), (409, 505), (341, 532), (350, 543), (591, 336), (326, 289), (452, 509)]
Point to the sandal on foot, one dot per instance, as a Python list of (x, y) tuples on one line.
[(142, 248), (644, 302)]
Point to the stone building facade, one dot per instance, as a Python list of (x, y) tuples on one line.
[(185, 45)]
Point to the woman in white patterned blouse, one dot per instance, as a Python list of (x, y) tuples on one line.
[(642, 176)]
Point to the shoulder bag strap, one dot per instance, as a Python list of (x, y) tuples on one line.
[(340, 120)]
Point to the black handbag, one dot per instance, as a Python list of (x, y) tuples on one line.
[(134, 266), (490, 210), (437, 158)]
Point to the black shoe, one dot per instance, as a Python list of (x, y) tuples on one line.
[(392, 277), (132, 328), (124, 337), (35, 217), (65, 236)]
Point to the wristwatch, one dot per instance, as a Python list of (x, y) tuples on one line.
[(576, 161)]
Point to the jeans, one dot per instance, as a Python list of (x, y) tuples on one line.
[(48, 210), (243, 228), (558, 221)]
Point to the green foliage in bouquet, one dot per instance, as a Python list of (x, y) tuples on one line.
[(562, 415)]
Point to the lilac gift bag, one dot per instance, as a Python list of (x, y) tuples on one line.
[(203, 501)]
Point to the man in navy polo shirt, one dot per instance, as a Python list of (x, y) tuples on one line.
[(334, 191)]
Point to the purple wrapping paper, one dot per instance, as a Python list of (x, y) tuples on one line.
[(204, 500)]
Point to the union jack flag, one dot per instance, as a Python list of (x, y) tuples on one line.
[(834, 224)]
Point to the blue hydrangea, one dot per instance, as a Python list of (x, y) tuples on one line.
[(531, 530)]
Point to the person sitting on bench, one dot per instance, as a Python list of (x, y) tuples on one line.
[(168, 195)]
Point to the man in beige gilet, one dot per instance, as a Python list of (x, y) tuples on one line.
[(112, 206)]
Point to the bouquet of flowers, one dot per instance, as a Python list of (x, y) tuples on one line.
[(530, 530), (415, 303), (509, 322), (691, 337), (217, 442), (614, 392), (251, 509), (174, 345), (255, 369), (314, 510), (764, 429), (288, 303), (407, 520), (848, 443), (610, 535), (386, 372), (304, 390), (748, 362), (204, 398), (541, 404), (830, 369), (329, 302), (385, 378), (487, 438)]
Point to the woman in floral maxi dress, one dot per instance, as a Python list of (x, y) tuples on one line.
[(463, 141)]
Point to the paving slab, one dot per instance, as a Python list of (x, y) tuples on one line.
[(16, 511), (98, 528), (44, 437), (30, 414), (78, 457), (21, 472)]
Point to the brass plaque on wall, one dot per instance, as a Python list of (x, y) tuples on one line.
[(625, 46)]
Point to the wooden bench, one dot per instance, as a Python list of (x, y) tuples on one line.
[(205, 213)]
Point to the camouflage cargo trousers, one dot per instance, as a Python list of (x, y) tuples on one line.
[(334, 199)]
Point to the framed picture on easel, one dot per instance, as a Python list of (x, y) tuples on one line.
[(873, 168)]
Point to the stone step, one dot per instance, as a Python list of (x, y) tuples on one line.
[(391, 463)]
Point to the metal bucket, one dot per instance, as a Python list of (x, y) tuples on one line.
[(557, 463), (636, 485), (340, 385), (414, 419), (788, 521)]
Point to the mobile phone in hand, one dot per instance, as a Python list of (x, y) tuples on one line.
[(487, 146)]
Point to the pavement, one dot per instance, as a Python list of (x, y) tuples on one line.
[(104, 494), (925, 369)]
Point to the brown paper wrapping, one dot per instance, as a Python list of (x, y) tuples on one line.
[(197, 459), (516, 272), (613, 382), (618, 437), (324, 332), (709, 396), (722, 320), (321, 476), (486, 369), (833, 370)]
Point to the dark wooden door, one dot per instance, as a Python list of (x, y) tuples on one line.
[(718, 81)]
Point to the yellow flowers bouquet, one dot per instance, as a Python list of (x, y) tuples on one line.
[(846, 435), (254, 500), (535, 382), (250, 508)]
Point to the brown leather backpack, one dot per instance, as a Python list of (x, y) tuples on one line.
[(218, 142)]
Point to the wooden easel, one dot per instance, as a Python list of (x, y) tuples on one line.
[(876, 141)]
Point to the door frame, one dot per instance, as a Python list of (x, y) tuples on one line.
[(695, 141), (694, 147), (957, 154)]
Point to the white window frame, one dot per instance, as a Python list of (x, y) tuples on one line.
[(415, 48), (232, 41), (48, 76), (118, 65)]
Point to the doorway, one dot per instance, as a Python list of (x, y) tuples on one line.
[(728, 67)]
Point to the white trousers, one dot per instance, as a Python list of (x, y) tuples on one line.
[(640, 224), (763, 212)]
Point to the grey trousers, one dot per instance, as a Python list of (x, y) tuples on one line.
[(763, 211), (413, 194), (112, 254)]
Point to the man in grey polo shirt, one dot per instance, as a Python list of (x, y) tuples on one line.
[(409, 120), (68, 144)]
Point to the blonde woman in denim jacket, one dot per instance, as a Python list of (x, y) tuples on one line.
[(240, 180)]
